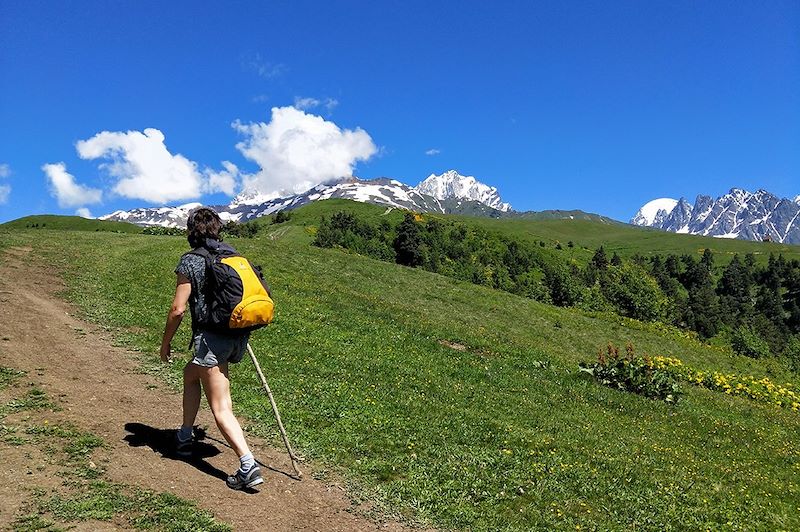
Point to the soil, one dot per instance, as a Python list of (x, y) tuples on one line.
[(135, 414)]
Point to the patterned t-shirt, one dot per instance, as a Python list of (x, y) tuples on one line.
[(193, 267)]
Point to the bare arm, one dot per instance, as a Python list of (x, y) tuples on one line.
[(182, 291)]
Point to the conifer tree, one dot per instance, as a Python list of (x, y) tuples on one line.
[(707, 259), (407, 242), (599, 259), (704, 314), (735, 292)]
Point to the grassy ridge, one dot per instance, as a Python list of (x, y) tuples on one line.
[(587, 235), (627, 239), (72, 223), (461, 405)]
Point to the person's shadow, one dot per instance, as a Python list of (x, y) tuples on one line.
[(162, 441)]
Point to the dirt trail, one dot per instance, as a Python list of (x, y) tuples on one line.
[(70, 360)]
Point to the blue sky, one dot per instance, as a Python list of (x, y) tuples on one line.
[(599, 106)]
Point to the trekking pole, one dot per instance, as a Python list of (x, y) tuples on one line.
[(293, 456)]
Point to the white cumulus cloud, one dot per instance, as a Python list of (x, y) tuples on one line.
[(224, 181), (145, 169), (5, 170), (64, 188), (143, 166), (433, 151), (296, 151), (83, 212)]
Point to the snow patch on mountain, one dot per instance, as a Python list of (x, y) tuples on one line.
[(739, 214), (163, 216), (458, 194), (656, 209), (452, 185)]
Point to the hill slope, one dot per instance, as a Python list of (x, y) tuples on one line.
[(462, 406), (74, 223), (586, 234)]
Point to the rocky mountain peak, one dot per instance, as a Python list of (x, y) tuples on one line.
[(452, 185), (654, 211), (737, 214)]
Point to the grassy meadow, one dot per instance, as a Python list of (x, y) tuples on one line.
[(72, 223), (459, 406), (586, 235)]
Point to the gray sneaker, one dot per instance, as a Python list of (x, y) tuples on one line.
[(183, 449), (241, 480)]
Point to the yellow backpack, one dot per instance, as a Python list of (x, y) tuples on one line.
[(238, 298)]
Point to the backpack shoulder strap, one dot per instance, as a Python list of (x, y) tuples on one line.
[(219, 248), (201, 252)]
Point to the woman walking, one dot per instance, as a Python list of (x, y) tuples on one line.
[(212, 352)]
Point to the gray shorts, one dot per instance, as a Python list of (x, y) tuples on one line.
[(211, 349)]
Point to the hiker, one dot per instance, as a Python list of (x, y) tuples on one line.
[(212, 352)]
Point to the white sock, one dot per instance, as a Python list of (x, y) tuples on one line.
[(247, 462)]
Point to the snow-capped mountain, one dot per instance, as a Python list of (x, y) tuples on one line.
[(452, 185), (383, 191), (737, 214), (390, 192), (164, 216), (654, 212)]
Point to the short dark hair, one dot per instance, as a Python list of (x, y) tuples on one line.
[(203, 223)]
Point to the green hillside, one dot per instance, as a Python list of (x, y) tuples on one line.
[(458, 405), (74, 223), (558, 214), (587, 235), (627, 239)]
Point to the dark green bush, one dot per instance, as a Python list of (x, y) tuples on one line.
[(792, 353), (281, 216), (163, 231), (745, 341), (245, 230)]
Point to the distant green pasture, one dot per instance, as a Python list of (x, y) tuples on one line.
[(76, 223), (586, 235)]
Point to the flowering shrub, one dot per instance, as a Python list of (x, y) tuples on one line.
[(762, 390), (633, 373)]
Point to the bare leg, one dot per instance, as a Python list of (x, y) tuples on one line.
[(218, 392), (191, 394)]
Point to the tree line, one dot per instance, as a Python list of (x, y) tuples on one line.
[(755, 308)]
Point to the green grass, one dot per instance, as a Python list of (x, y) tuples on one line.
[(34, 399), (74, 223), (33, 522), (143, 509), (9, 375), (504, 434), (587, 235), (628, 239)]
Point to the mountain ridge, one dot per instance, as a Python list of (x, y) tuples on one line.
[(740, 214), (447, 193)]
